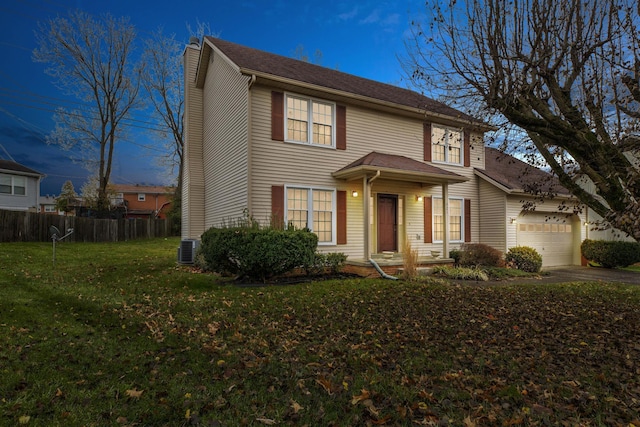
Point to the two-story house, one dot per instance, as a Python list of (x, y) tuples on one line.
[(19, 187), (142, 201), (363, 164)]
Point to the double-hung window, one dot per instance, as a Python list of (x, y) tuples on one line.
[(446, 145), (456, 213), (312, 208), (11, 184), (310, 121)]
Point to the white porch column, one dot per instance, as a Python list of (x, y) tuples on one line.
[(445, 220), (366, 190)]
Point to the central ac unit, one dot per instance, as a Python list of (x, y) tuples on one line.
[(187, 251)]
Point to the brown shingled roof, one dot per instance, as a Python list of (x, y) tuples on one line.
[(397, 167), (7, 165), (249, 59), (517, 176)]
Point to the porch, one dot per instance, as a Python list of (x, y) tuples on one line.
[(391, 264)]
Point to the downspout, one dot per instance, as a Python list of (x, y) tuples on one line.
[(382, 273), (249, 206)]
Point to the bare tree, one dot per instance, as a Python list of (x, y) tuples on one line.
[(91, 59), (162, 80), (163, 83), (566, 73)]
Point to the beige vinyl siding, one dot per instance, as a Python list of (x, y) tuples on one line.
[(193, 168), (494, 221), (225, 147), (282, 163)]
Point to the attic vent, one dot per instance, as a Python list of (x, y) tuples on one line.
[(187, 251)]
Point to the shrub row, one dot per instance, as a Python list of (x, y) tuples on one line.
[(481, 255), (249, 251), (611, 254), (257, 253)]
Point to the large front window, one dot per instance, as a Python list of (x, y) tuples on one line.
[(11, 184), (446, 145), (310, 121), (312, 208), (455, 220)]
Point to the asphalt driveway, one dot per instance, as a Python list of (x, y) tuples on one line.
[(577, 273), (583, 274)]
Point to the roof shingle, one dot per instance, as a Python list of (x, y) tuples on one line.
[(17, 167), (518, 176), (249, 59)]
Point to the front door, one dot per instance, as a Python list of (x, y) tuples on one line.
[(387, 223)]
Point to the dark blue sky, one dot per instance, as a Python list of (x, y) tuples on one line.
[(358, 37)]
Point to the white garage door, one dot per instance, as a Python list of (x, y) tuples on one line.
[(551, 238)]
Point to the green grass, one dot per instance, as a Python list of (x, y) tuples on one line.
[(117, 334)]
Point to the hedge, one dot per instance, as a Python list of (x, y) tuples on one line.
[(611, 254)]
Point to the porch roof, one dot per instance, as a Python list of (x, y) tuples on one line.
[(399, 168)]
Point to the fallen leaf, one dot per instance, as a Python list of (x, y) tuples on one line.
[(296, 406), (266, 421), (24, 419), (134, 393), (359, 398), (326, 384), (468, 422)]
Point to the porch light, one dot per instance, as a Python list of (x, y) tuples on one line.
[(354, 193), (418, 198)]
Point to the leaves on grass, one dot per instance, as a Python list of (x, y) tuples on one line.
[(354, 352)]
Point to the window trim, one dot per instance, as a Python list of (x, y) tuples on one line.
[(142, 197), (310, 122), (13, 185), (462, 216), (310, 189), (434, 143)]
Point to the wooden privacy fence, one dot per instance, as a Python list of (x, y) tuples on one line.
[(34, 227)]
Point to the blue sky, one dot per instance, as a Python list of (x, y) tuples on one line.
[(363, 38)]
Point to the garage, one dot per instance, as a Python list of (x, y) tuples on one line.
[(552, 235)]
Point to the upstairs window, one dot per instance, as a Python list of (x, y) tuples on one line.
[(310, 121), (446, 145), (11, 184), (141, 197)]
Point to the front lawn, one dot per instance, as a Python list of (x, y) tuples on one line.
[(117, 334)]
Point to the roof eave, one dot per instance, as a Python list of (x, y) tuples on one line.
[(397, 175), (22, 173)]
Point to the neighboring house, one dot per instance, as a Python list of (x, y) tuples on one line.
[(142, 201), (364, 165), (47, 204), (19, 187)]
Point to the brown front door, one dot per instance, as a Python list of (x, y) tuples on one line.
[(387, 223)]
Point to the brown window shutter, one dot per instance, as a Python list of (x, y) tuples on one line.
[(426, 137), (341, 127), (277, 206), (277, 116), (341, 219), (467, 220), (467, 148), (428, 222)]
